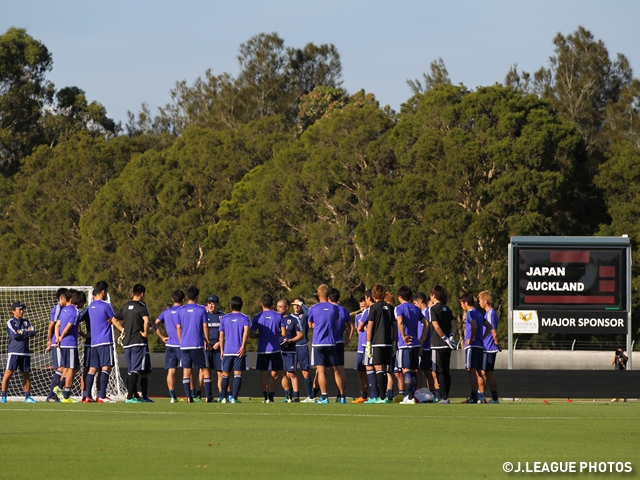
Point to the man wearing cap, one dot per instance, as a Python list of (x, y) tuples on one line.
[(213, 354), (19, 330)]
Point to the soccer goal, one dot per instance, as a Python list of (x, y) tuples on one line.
[(39, 302)]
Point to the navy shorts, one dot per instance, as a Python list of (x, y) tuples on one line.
[(340, 354), (214, 360), (325, 356), (19, 362), (234, 363), (86, 356), (360, 362), (172, 357), (473, 358), (147, 362), (408, 358), (290, 359), (55, 358), (136, 358), (100, 356), (194, 358), (70, 357), (426, 360), (270, 361), (304, 359), (489, 361)]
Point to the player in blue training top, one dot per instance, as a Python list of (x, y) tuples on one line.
[(193, 332), (322, 319), (344, 320), (213, 354), (19, 330), (421, 301), (101, 361), (491, 349), (67, 335), (409, 318), (474, 333), (268, 327), (169, 318), (303, 356), (57, 382), (234, 333), (361, 325), (293, 333)]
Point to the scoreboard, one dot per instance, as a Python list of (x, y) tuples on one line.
[(579, 285)]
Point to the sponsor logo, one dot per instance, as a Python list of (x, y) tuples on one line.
[(525, 321)]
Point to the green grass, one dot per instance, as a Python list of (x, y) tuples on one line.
[(252, 440)]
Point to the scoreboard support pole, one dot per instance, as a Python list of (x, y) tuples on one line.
[(629, 326)]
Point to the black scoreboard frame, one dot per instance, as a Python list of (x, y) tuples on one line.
[(570, 285)]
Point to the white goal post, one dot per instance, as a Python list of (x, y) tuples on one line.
[(39, 301)]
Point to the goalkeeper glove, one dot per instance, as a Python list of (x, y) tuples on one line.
[(449, 342), (367, 350)]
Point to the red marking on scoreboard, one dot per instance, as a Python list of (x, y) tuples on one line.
[(569, 256), (570, 299), (607, 286), (607, 272)]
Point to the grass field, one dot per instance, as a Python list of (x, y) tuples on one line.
[(252, 440)]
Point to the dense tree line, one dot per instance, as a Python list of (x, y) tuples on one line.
[(277, 179)]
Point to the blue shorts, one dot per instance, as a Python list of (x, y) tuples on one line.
[(408, 358), (340, 354), (290, 359), (325, 356), (55, 358), (100, 356), (135, 357), (19, 362), (194, 358), (426, 361), (70, 357), (270, 361), (489, 361), (360, 362), (172, 357), (86, 356), (304, 360), (234, 363), (393, 366), (473, 358), (214, 360)]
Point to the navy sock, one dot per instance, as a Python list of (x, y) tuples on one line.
[(474, 396), (88, 385), (223, 387), (438, 393), (314, 392), (389, 394), (207, 388), (144, 386), (414, 377), (265, 394), (363, 395), (172, 394), (55, 380), (287, 394), (325, 396), (307, 386), (373, 384), (186, 383), (27, 394), (66, 392), (193, 393), (296, 394), (198, 393), (237, 383), (494, 395), (408, 383), (61, 382), (271, 395), (104, 381)]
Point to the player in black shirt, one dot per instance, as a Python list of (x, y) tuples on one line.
[(381, 338), (441, 342)]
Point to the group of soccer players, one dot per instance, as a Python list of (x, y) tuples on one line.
[(406, 343)]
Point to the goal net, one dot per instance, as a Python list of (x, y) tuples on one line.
[(39, 302)]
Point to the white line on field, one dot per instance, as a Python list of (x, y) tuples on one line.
[(277, 414)]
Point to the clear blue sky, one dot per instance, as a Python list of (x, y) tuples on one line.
[(123, 53)]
